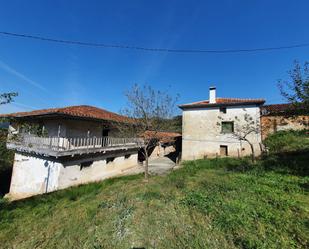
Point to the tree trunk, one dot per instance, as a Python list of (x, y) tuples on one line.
[(146, 163), (252, 152)]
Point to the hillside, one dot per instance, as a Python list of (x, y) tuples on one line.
[(223, 203)]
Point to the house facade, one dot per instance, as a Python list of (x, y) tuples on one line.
[(62, 147), (208, 127)]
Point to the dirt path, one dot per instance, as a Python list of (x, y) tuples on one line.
[(160, 166)]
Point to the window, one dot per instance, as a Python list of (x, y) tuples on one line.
[(223, 109), (127, 156), (85, 164), (223, 150), (110, 159), (227, 127)]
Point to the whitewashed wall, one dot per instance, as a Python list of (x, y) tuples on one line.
[(33, 175)]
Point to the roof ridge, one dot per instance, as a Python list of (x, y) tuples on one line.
[(224, 100), (88, 111)]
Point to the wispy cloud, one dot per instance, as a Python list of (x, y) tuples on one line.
[(16, 107), (24, 106), (12, 71)]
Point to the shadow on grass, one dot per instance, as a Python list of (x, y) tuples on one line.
[(295, 162), (71, 194)]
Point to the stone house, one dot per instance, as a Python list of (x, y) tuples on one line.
[(280, 117), (208, 127), (70, 146)]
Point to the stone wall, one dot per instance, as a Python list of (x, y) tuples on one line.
[(271, 124)]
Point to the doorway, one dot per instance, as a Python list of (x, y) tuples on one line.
[(104, 135), (105, 132), (223, 150)]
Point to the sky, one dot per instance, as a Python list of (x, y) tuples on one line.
[(48, 74)]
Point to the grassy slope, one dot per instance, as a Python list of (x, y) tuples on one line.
[(202, 205)]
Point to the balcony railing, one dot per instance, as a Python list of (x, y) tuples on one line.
[(61, 146)]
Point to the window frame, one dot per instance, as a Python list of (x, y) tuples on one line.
[(222, 109), (226, 148), (227, 122)]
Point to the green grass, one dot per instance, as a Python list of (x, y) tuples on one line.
[(287, 141), (223, 203)]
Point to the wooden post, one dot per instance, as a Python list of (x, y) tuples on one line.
[(63, 144), (50, 142), (59, 130)]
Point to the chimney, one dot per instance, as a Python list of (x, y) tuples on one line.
[(212, 95)]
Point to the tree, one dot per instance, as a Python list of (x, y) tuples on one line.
[(6, 98), (148, 110), (244, 128), (296, 89), (6, 156)]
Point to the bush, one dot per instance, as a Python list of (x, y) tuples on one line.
[(6, 156), (6, 163), (290, 140)]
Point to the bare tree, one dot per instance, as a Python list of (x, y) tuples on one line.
[(148, 110), (246, 128), (6, 98), (296, 89), (243, 130)]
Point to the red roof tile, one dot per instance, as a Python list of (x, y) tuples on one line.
[(281, 109), (163, 136), (82, 111), (223, 101)]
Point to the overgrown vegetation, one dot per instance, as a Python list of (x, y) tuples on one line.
[(285, 141), (296, 88), (219, 203), (6, 163)]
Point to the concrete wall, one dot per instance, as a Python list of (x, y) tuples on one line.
[(202, 137), (34, 175), (161, 151), (101, 169), (30, 176), (271, 124)]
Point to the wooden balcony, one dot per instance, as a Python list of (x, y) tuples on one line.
[(61, 146)]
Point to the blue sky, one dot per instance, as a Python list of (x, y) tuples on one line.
[(54, 75)]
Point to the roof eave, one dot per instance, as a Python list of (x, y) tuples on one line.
[(193, 106), (61, 115)]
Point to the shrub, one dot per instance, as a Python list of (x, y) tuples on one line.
[(290, 140)]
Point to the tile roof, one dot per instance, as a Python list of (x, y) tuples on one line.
[(82, 111), (223, 102), (281, 109), (163, 136)]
